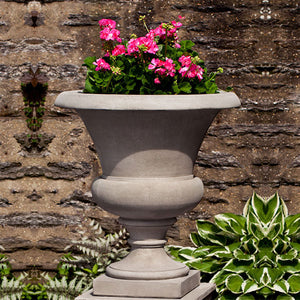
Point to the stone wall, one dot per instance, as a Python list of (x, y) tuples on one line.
[(45, 195)]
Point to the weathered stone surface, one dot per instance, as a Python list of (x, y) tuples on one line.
[(57, 244), (216, 160), (54, 170), (255, 147), (12, 244), (42, 140), (78, 199), (262, 130), (35, 219), (4, 202)]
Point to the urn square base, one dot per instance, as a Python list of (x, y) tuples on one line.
[(167, 288), (184, 288), (203, 292)]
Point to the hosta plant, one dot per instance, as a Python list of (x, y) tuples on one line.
[(251, 256), (157, 63)]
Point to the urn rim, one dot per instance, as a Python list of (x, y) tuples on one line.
[(79, 100)]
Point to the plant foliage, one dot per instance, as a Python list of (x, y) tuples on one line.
[(249, 257), (11, 287), (75, 273), (156, 63)]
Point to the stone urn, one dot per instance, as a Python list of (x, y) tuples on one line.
[(147, 146)]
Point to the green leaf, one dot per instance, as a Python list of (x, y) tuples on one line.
[(219, 252), (205, 265), (227, 295), (265, 291), (245, 297), (238, 266), (234, 283), (173, 251), (220, 277), (210, 233), (186, 45), (281, 286), (292, 224), (185, 87), (200, 89), (130, 85), (271, 207), (176, 88), (256, 229), (240, 255), (290, 266), (294, 282), (285, 297), (290, 255), (202, 251), (249, 286), (95, 269), (231, 223), (89, 62), (186, 253), (196, 239), (90, 86)]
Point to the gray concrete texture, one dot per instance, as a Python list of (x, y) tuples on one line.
[(45, 196)]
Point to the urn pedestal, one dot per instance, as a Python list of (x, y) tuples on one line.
[(147, 147)]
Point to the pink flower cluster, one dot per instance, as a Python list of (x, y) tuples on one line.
[(162, 68), (111, 24), (189, 69), (145, 44), (101, 64), (161, 32), (109, 33), (119, 50)]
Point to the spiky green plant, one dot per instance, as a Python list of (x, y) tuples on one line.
[(63, 289), (75, 273), (249, 257), (11, 287)]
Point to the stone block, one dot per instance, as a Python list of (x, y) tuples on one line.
[(167, 288), (203, 292)]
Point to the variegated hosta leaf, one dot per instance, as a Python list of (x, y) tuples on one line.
[(234, 225), (262, 247), (249, 286), (245, 297), (292, 225), (234, 283), (205, 265), (210, 233), (294, 283), (285, 297), (266, 208)]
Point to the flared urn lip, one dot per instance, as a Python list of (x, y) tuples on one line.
[(79, 100)]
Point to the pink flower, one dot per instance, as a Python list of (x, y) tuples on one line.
[(154, 63), (185, 60), (107, 23), (181, 17), (143, 44), (190, 69), (176, 24), (119, 50), (101, 64), (159, 31), (156, 81), (192, 72), (110, 34), (163, 68)]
